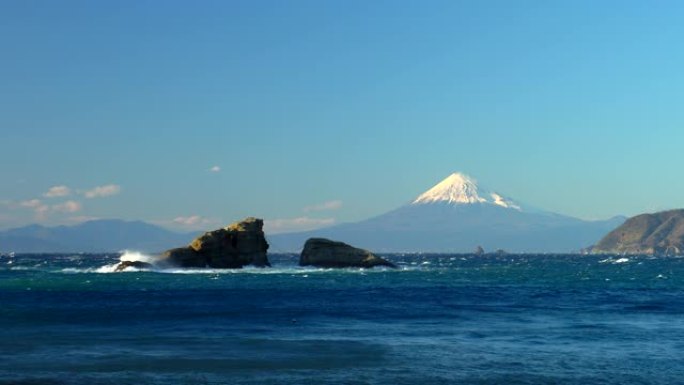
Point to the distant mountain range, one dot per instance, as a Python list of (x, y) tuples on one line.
[(93, 236), (457, 215)]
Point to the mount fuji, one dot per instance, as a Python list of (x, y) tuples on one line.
[(458, 215)]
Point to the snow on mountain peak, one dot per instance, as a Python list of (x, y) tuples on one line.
[(460, 188)]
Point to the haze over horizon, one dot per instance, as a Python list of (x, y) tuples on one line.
[(314, 113)]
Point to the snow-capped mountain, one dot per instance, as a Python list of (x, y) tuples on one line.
[(459, 188), (457, 215)]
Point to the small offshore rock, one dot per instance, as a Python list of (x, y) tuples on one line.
[(123, 265), (323, 252)]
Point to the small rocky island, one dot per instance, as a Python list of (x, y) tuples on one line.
[(654, 234), (323, 252), (123, 265), (234, 246)]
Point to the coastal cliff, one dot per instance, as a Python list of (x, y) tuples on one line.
[(656, 234)]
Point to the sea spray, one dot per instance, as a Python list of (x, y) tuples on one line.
[(127, 256), (136, 256)]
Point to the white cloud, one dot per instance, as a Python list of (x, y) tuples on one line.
[(58, 191), (68, 207), (215, 169), (286, 225), (188, 221), (32, 204), (325, 206), (42, 210), (38, 207), (103, 191)]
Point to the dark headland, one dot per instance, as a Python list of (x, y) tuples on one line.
[(660, 233)]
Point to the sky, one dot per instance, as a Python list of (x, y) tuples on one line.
[(192, 115)]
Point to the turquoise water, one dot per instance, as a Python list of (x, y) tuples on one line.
[(438, 319)]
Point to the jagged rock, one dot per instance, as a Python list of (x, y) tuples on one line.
[(326, 253), (234, 246), (123, 265), (479, 251)]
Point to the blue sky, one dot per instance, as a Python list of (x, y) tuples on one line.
[(319, 112)]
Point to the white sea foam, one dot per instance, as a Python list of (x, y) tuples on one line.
[(615, 261), (277, 270), (127, 256), (24, 268)]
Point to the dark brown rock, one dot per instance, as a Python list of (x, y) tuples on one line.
[(326, 253), (237, 245), (184, 257), (123, 265)]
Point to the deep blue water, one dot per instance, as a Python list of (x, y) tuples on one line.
[(439, 319)]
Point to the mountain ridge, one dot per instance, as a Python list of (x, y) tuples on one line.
[(103, 235), (455, 215)]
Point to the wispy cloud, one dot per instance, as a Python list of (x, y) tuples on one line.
[(32, 204), (286, 225), (103, 191), (325, 206), (58, 191), (39, 208), (192, 220), (68, 207), (215, 169)]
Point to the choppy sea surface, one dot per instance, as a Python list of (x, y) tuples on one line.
[(438, 319)]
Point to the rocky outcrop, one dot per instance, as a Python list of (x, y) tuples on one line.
[(237, 245), (655, 234), (123, 265), (326, 253)]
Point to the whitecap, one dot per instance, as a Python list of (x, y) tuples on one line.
[(615, 261), (24, 268)]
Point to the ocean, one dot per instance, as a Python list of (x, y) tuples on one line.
[(437, 319)]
